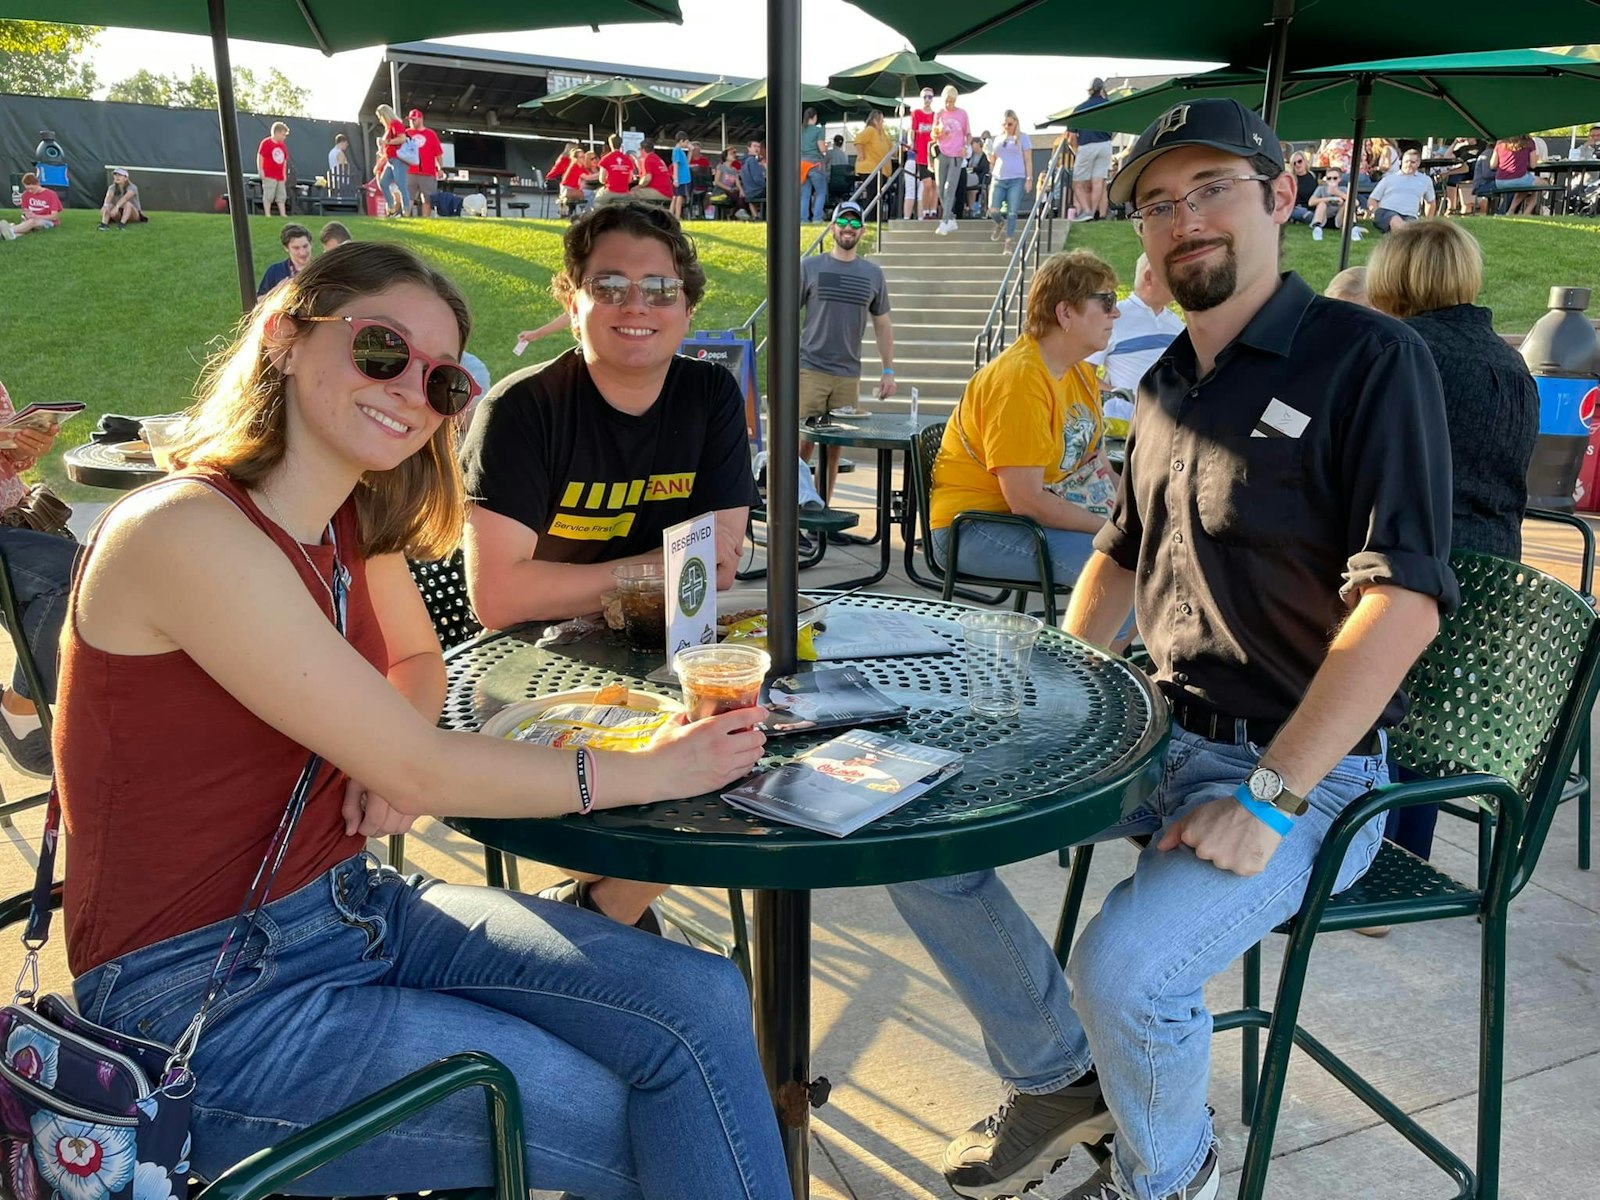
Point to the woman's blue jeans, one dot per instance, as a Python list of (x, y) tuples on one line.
[(1009, 552), (397, 175), (635, 1055), (814, 194), (1009, 193), (41, 575), (1132, 1004)]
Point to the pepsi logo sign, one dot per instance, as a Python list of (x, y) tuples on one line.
[(1589, 409)]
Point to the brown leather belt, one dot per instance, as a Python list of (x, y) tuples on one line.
[(1202, 720)]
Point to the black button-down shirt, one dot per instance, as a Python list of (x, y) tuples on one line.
[(1313, 461)]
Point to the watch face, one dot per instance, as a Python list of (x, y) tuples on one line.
[(1265, 784)]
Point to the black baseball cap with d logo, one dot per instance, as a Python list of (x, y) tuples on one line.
[(1221, 124)]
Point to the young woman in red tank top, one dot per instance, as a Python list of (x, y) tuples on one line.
[(200, 665)]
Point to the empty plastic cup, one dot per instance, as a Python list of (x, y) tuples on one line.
[(719, 679), (999, 646)]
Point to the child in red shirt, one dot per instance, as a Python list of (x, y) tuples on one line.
[(616, 170), (41, 209)]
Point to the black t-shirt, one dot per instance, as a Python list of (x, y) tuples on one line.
[(1304, 185), (596, 484), (1313, 461)]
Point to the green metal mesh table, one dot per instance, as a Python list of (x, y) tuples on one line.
[(1087, 747)]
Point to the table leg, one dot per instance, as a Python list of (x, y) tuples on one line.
[(781, 970)]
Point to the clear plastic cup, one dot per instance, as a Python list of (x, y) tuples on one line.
[(641, 591), (999, 647), (719, 679), (159, 433)]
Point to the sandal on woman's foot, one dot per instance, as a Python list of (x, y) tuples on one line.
[(580, 893)]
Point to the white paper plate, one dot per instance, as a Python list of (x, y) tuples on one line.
[(512, 715)]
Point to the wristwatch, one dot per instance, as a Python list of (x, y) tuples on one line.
[(1266, 785)]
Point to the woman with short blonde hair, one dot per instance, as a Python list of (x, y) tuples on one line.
[(951, 129), (394, 173), (254, 609), (1427, 265)]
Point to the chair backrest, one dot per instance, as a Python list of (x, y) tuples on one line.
[(924, 449), (1505, 688), (841, 180), (11, 613), (342, 182), (443, 585)]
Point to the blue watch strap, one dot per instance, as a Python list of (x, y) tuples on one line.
[(1279, 822)]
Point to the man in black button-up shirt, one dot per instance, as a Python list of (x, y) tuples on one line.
[(1282, 531)]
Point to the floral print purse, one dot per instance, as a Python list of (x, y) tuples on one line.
[(87, 1113)]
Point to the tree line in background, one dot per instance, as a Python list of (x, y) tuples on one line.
[(42, 59)]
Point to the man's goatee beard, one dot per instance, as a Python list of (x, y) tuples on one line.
[(1205, 288)]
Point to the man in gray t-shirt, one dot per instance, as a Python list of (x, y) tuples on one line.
[(839, 291), (1402, 195)]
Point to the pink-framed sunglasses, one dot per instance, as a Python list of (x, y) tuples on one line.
[(381, 353)]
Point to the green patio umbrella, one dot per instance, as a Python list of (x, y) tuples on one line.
[(831, 105), (707, 91), (326, 25), (901, 74), (614, 101), (1232, 31), (1241, 32), (1489, 95)]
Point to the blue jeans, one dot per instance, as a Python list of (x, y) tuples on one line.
[(1008, 552), (397, 174), (1009, 193), (814, 193), (635, 1055), (1132, 1002), (41, 575)]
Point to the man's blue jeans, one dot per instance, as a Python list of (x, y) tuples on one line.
[(635, 1055), (41, 574), (1007, 193), (1132, 1002)]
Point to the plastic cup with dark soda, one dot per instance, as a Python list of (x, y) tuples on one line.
[(719, 679)]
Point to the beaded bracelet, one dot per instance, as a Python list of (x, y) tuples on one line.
[(585, 796)]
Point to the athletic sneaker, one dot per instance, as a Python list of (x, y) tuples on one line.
[(1357, 234), (1316, 233), (946, 228), (994, 234), (1102, 1185), (104, 227), (1015, 1147), (576, 891), (7, 232), (30, 753)]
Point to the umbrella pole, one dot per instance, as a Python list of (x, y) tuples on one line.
[(1352, 200), (228, 116), (1282, 14), (724, 132)]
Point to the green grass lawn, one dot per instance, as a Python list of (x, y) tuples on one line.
[(123, 321)]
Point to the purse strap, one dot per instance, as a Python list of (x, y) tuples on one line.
[(37, 931)]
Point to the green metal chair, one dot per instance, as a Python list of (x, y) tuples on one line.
[(30, 672), (1580, 780), (1499, 707), (924, 449), (267, 1172)]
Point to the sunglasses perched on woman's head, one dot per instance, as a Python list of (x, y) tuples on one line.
[(659, 291), (381, 353)]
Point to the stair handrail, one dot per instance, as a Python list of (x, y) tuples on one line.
[(1014, 283)]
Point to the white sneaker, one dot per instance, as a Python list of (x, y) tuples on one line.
[(1316, 233), (943, 229), (7, 232), (1357, 234)]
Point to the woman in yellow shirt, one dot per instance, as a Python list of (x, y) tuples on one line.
[(873, 146), (1027, 435)]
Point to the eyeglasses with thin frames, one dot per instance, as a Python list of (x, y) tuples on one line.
[(658, 291), (1210, 196), (382, 353)]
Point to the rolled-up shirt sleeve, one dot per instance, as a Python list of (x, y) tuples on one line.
[(1395, 464)]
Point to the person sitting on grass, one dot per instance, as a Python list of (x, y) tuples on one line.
[(40, 565), (1026, 435), (1402, 196), (296, 240), (41, 209), (202, 665), (1328, 198), (333, 235), (578, 465), (121, 205)]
